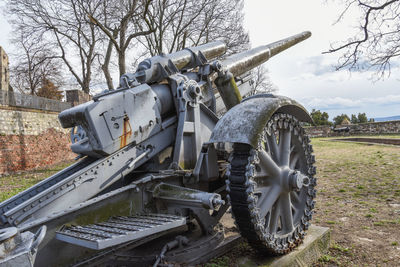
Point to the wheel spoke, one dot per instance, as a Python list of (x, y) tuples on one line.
[(274, 218), (285, 137), (273, 146), (262, 179), (286, 213), (268, 164), (297, 199), (294, 160), (294, 197), (267, 199)]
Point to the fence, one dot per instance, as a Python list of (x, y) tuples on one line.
[(8, 98)]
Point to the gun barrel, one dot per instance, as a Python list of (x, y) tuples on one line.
[(240, 63), (184, 58), (148, 70)]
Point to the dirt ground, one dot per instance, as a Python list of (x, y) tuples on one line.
[(358, 198)]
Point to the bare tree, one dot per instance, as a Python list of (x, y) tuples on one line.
[(377, 43), (87, 34), (184, 23), (262, 82), (62, 24), (34, 64), (118, 20)]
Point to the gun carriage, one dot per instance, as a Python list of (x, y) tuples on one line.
[(157, 161)]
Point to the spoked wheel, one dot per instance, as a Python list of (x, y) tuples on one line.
[(271, 188)]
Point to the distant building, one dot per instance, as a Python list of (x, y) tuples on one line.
[(345, 122), (4, 70)]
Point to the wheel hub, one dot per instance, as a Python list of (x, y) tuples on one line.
[(297, 180), (291, 180)]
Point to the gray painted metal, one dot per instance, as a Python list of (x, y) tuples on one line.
[(118, 230), (159, 107), (254, 114), (228, 89), (187, 197), (151, 70), (115, 120), (123, 201), (7, 233), (29, 193), (18, 254), (20, 249), (286, 171), (244, 84), (165, 99), (86, 182), (243, 62), (195, 123)]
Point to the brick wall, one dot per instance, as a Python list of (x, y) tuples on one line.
[(386, 127), (31, 139)]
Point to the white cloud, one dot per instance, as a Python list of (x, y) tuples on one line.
[(335, 102), (308, 76), (338, 102), (384, 100)]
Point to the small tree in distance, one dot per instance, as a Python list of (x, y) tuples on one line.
[(320, 118), (49, 90), (354, 119), (340, 118), (360, 118)]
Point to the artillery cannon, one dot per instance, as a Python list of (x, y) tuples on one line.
[(156, 160)]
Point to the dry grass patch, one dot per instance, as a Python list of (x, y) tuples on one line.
[(359, 199), (13, 184)]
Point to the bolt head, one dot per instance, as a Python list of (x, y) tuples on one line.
[(298, 180)]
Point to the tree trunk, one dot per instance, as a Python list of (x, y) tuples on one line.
[(105, 66), (121, 63)]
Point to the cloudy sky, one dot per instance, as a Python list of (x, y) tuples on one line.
[(306, 75), (302, 72)]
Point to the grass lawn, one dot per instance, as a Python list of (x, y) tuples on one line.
[(358, 198), (13, 184)]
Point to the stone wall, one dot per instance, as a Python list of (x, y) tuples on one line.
[(76, 97), (16, 122), (4, 71), (319, 131), (25, 101), (385, 127), (31, 139)]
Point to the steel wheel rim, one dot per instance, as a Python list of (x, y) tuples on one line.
[(251, 188), (280, 206)]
